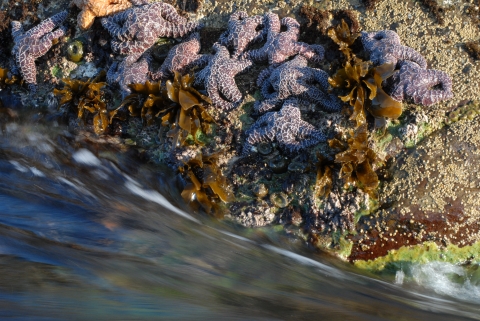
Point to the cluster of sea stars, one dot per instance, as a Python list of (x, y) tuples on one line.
[(286, 127), (412, 81)]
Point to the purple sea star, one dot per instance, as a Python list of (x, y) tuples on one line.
[(286, 127), (423, 86), (242, 31), (385, 47), (218, 78), (136, 29), (283, 44), (123, 74), (182, 58), (33, 44), (295, 78)]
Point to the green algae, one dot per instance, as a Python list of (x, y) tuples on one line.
[(421, 253)]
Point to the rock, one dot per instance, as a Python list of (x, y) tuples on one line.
[(431, 208)]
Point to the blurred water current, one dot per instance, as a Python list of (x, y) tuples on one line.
[(87, 233)]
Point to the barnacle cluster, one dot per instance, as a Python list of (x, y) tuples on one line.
[(469, 111), (206, 186), (88, 100), (178, 105)]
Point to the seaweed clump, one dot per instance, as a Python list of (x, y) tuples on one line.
[(88, 99), (435, 9), (5, 79), (370, 4), (365, 85), (179, 106), (206, 187), (473, 49), (321, 19)]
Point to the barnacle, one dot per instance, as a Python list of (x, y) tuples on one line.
[(179, 106), (87, 97), (75, 51), (5, 79), (206, 186)]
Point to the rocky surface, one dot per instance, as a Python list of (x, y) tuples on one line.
[(428, 197)]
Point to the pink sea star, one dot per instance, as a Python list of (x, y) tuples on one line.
[(286, 127), (124, 75), (242, 31), (33, 44), (218, 78), (385, 47), (295, 78), (136, 29), (182, 58), (283, 44), (423, 86)]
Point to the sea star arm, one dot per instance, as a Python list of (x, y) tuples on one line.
[(407, 53), (112, 74), (29, 71), (47, 25), (46, 41), (314, 53), (17, 30), (114, 26), (432, 86), (169, 13)]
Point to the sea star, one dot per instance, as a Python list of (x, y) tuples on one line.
[(136, 29), (283, 44), (423, 86), (242, 31), (100, 8), (218, 78), (33, 44), (385, 47), (182, 58), (286, 127), (295, 78), (123, 74)]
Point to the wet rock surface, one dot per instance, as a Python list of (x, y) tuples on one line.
[(433, 196)]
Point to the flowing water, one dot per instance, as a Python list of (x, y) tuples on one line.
[(88, 233)]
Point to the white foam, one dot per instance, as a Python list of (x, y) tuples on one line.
[(156, 197), (35, 171), (86, 157), (443, 278), (18, 166), (305, 260)]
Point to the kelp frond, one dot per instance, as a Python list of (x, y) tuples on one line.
[(5, 80), (87, 97), (206, 186), (179, 107), (356, 159)]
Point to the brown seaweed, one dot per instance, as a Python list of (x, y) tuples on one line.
[(363, 81), (5, 79), (473, 48), (206, 187), (87, 97), (356, 159), (179, 106)]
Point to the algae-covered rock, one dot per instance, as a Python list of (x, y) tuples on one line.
[(431, 207)]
